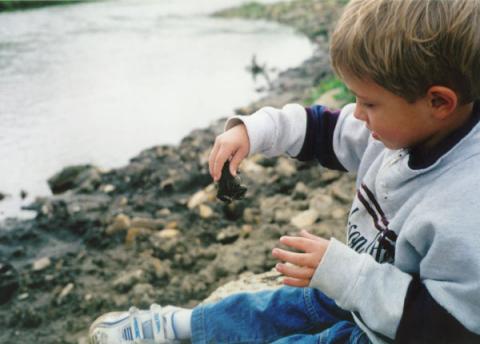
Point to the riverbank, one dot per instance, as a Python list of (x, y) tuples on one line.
[(15, 5), (153, 231)]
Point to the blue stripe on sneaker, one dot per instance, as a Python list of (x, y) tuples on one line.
[(107, 323), (173, 325), (136, 328), (158, 322), (127, 333)]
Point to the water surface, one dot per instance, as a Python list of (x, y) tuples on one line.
[(99, 82)]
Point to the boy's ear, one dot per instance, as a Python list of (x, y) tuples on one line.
[(442, 101)]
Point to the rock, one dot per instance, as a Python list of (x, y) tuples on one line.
[(41, 264), (322, 204), (120, 223), (305, 218), (339, 213), (23, 194), (9, 282), (26, 317), (172, 224), (329, 176), (82, 203), (134, 232), (202, 196), (168, 233), (228, 235), (65, 292), (285, 167), (269, 205), (160, 269), (251, 168), (247, 282), (163, 212), (205, 211), (251, 215), (107, 188), (126, 281), (83, 340), (301, 191), (154, 224), (2, 196), (343, 190), (142, 294), (74, 177)]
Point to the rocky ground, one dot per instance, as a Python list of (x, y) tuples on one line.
[(153, 230)]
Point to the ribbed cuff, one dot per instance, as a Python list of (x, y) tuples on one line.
[(337, 273), (258, 125)]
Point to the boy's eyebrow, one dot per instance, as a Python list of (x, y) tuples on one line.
[(355, 94)]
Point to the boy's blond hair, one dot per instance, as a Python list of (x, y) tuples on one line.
[(406, 46)]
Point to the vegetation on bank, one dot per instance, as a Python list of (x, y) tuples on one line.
[(13, 5), (342, 94), (313, 18)]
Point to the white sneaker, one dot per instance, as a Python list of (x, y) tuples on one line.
[(154, 326)]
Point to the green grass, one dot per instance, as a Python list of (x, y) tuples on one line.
[(13, 5), (330, 83), (250, 10)]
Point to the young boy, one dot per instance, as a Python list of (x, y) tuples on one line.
[(411, 270)]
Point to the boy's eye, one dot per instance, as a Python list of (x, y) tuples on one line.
[(367, 105)]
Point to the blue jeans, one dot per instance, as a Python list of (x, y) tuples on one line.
[(285, 315)]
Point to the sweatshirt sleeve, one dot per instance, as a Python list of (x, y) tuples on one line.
[(335, 138), (360, 284), (318, 143), (272, 131)]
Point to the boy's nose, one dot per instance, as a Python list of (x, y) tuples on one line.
[(359, 114)]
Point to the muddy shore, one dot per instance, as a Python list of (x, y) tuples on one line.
[(153, 231)]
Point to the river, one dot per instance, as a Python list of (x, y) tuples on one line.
[(98, 82)]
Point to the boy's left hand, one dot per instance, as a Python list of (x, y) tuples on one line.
[(302, 265)]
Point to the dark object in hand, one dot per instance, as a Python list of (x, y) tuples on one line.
[(229, 187)]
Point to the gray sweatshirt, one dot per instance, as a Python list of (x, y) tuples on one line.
[(411, 269)]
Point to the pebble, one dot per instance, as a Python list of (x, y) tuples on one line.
[(205, 211), (41, 264), (128, 279), (23, 296), (135, 232), (120, 223), (202, 196), (285, 167), (168, 233), (64, 293), (107, 188), (305, 218)]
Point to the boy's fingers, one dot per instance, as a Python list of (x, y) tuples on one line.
[(293, 282), (211, 159), (220, 158), (236, 160), (300, 272), (300, 243), (304, 233), (300, 259)]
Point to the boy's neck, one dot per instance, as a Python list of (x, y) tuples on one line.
[(463, 120), (456, 120)]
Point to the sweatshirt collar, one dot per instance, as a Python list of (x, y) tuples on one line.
[(420, 160)]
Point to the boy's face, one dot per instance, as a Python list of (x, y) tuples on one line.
[(391, 119)]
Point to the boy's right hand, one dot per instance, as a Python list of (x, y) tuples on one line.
[(234, 144)]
